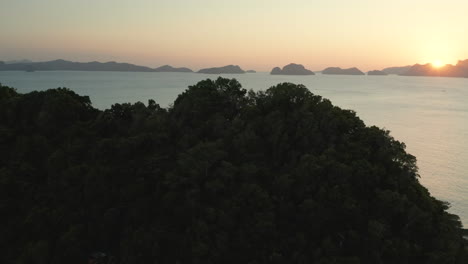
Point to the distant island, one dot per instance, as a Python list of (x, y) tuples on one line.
[(396, 70), (377, 72), (292, 69), (459, 70), (339, 71), (229, 69), (449, 70), (64, 65), (18, 61), (168, 68)]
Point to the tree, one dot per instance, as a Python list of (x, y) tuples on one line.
[(225, 175)]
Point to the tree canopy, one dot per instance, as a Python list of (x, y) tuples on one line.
[(224, 175)]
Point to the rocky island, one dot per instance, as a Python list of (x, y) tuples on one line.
[(168, 68), (449, 70), (339, 71), (229, 69), (377, 72), (18, 61), (63, 65), (396, 70), (292, 69)]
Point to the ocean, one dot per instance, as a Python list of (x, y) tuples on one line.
[(428, 114)]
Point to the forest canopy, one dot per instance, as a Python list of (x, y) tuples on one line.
[(224, 175)]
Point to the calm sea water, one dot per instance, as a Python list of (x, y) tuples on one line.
[(429, 114)]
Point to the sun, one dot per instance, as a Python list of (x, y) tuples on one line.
[(437, 64)]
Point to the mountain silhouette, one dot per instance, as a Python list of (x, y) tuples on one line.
[(231, 69), (377, 72), (168, 68), (449, 70), (63, 65), (292, 69), (397, 70), (339, 71)]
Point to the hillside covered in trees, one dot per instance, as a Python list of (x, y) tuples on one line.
[(225, 175)]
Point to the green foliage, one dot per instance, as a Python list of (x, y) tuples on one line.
[(223, 176)]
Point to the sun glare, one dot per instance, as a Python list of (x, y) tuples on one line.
[(437, 64)]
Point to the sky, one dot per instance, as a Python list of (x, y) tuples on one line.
[(254, 34)]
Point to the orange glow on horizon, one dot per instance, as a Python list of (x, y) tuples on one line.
[(268, 34)]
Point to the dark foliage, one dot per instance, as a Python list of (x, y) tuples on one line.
[(223, 176)]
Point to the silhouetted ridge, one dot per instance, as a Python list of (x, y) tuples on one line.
[(463, 64), (63, 65), (377, 72), (339, 71), (396, 70), (291, 69), (168, 68), (18, 61), (231, 69), (448, 70)]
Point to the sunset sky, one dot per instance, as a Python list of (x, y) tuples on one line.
[(255, 34)]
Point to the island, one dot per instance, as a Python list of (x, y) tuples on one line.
[(377, 73), (250, 71), (18, 61), (339, 71), (292, 69), (448, 70), (397, 70), (63, 65), (463, 63), (229, 69), (168, 68)]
